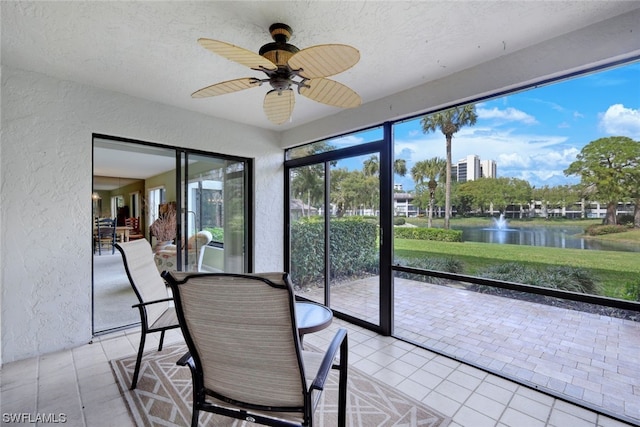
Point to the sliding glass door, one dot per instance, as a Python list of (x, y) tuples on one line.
[(192, 207), (215, 207), (334, 222)]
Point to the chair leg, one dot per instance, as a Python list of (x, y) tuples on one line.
[(194, 416), (161, 341), (342, 384), (136, 371)]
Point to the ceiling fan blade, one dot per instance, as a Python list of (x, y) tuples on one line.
[(330, 92), (226, 87), (279, 106), (237, 54), (324, 60)]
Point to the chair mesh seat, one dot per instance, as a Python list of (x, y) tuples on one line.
[(166, 319)]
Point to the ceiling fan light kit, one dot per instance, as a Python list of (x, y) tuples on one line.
[(287, 66)]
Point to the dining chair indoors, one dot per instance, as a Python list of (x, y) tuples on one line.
[(244, 351), (134, 224), (156, 312), (104, 233)]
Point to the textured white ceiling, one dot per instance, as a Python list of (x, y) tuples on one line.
[(148, 49)]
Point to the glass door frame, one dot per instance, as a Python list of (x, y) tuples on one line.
[(182, 201), (180, 171), (382, 147)]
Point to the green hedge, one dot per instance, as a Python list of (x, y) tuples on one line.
[(600, 230), (423, 233), (353, 246)]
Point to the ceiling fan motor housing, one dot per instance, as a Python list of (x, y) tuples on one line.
[(279, 51)]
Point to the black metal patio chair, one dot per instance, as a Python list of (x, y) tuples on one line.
[(245, 355), (156, 312)]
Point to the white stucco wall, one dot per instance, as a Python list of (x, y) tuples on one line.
[(45, 207)]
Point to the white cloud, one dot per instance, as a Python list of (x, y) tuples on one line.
[(513, 160), (621, 121), (508, 114), (539, 159), (559, 158), (347, 140)]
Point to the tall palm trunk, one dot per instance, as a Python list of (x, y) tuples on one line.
[(447, 186), (430, 222)]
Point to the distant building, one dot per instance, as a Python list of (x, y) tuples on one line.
[(468, 169), (488, 169), (403, 205), (471, 168)]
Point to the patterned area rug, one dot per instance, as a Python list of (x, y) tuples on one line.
[(163, 397)]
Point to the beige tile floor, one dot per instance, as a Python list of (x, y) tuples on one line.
[(79, 384)]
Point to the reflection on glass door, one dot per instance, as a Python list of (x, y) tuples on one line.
[(193, 209), (341, 270), (353, 237), (214, 222), (307, 219), (116, 179)]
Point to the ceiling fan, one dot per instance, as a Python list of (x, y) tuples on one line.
[(288, 67)]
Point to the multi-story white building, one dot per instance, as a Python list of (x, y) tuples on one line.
[(488, 169), (468, 168), (471, 168)]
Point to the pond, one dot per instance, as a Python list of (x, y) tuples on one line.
[(555, 237)]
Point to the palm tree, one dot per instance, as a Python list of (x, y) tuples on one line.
[(449, 122), (400, 167), (372, 166), (433, 169)]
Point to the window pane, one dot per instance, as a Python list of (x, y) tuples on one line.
[(350, 140), (543, 193), (529, 186), (307, 237), (216, 205)]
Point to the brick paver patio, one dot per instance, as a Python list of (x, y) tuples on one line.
[(586, 358)]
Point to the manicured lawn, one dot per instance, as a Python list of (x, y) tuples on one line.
[(613, 269), (631, 236)]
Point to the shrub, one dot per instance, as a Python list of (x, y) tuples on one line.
[(599, 230), (447, 265), (353, 246), (423, 233), (626, 220), (399, 221), (632, 291), (217, 233), (556, 277)]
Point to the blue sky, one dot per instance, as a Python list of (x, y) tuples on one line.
[(535, 134)]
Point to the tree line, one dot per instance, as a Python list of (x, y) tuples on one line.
[(609, 171)]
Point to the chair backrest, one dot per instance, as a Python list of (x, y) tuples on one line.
[(241, 332), (106, 227), (134, 223), (143, 275)]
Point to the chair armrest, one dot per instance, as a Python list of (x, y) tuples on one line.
[(339, 341), (186, 360), (142, 304)]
